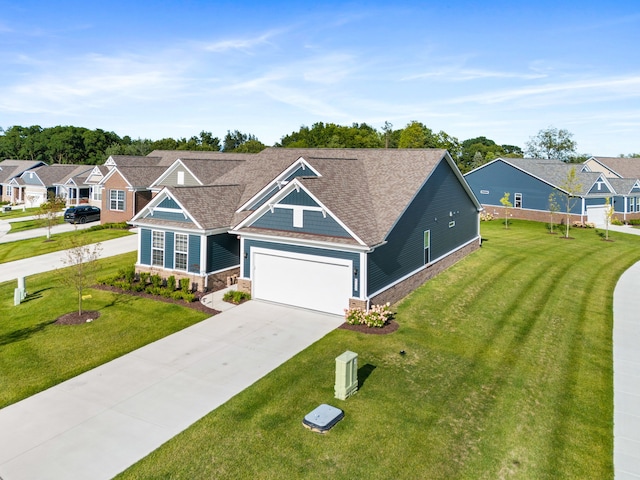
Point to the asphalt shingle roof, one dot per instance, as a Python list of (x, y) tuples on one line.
[(12, 168), (554, 172), (625, 167)]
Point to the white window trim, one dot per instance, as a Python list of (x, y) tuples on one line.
[(177, 252), (156, 249), (117, 200), (516, 197)]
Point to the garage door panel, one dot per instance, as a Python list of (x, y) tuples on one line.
[(308, 282), (597, 215)]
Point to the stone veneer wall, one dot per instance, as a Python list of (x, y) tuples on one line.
[(215, 281), (402, 289), (244, 285)]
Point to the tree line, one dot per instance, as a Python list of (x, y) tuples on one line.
[(78, 145)]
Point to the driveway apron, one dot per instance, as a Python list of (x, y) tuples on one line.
[(99, 423)]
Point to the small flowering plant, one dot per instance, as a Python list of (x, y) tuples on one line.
[(377, 316)]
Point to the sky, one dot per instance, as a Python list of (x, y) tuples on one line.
[(158, 69)]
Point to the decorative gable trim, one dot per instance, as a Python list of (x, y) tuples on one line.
[(280, 182), (273, 203), (155, 206), (110, 174), (597, 187), (177, 164)]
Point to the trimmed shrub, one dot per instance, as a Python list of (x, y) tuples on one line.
[(171, 283), (185, 285), (234, 296)]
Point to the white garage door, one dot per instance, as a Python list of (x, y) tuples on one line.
[(306, 281), (598, 215)]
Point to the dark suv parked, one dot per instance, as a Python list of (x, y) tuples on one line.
[(82, 214)]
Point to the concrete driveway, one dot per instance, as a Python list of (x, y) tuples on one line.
[(101, 422)]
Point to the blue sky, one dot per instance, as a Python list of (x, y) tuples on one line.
[(160, 69)]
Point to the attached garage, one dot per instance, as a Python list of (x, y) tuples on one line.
[(307, 281), (597, 215)]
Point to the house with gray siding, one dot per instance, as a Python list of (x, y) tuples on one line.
[(323, 229), (531, 181)]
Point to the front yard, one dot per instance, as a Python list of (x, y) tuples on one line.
[(36, 353), (31, 247), (507, 373)]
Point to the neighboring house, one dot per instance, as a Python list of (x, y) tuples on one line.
[(64, 181), (531, 181), (323, 229), (10, 169), (614, 167), (125, 191), (197, 171)]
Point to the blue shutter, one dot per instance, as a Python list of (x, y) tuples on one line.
[(168, 249), (145, 246), (193, 262)]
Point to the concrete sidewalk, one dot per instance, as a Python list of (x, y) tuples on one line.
[(626, 375), (53, 261), (6, 236), (101, 422)]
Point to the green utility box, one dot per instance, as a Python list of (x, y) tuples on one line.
[(346, 375)]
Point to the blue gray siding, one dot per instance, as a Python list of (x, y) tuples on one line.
[(171, 216), (321, 252), (169, 250), (223, 251), (441, 200), (313, 222), (193, 253), (169, 202), (490, 183), (299, 198)]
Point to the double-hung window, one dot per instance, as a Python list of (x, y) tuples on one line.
[(517, 200), (632, 202), (157, 249), (181, 245), (116, 200)]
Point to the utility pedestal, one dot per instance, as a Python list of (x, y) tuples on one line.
[(346, 375)]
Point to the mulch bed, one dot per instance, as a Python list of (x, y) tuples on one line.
[(390, 327), (74, 318), (196, 304)]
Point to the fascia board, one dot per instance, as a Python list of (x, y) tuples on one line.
[(279, 178)]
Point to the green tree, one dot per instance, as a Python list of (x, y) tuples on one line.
[(81, 260), (608, 216), (417, 135), (48, 212), (571, 187), (552, 143), (506, 203), (234, 141)]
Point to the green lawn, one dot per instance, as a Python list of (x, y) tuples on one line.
[(20, 249), (36, 354), (16, 212), (23, 225), (507, 374)]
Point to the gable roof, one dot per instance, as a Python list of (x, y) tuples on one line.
[(13, 168), (623, 186), (621, 166), (132, 161), (207, 171), (136, 177), (59, 174), (551, 171), (210, 207), (367, 189)]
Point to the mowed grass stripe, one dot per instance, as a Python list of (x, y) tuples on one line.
[(507, 374)]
